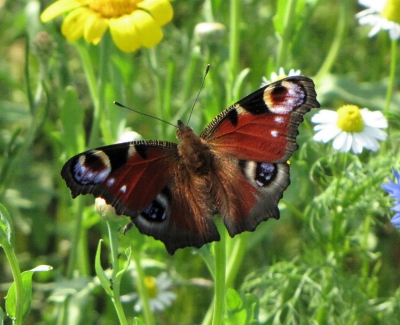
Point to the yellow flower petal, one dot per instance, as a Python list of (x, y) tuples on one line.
[(124, 33), (161, 10), (95, 28), (72, 27), (150, 33), (57, 8)]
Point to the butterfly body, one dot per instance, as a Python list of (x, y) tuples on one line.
[(236, 168)]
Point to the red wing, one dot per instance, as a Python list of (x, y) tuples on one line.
[(263, 126), (252, 140), (145, 181), (128, 175)]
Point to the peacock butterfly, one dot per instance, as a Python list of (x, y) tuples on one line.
[(236, 168)]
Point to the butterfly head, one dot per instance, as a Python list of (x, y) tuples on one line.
[(183, 129)]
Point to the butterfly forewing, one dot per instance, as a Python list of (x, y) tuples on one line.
[(263, 126), (127, 175)]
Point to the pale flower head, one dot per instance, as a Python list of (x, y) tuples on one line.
[(351, 128), (280, 75), (381, 15), (160, 294)]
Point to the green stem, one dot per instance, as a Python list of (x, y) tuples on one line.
[(220, 261), (103, 78), (93, 89), (77, 233), (284, 47), (338, 215), (233, 45), (19, 291), (336, 43), (153, 62), (112, 228), (142, 290), (392, 77), (236, 257), (366, 264)]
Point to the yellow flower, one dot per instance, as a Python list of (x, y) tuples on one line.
[(132, 23)]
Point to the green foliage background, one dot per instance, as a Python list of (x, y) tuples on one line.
[(332, 258)]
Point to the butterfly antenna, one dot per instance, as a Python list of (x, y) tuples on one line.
[(198, 94), (148, 115)]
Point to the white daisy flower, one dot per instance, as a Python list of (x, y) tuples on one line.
[(351, 128), (280, 75), (159, 291), (382, 15)]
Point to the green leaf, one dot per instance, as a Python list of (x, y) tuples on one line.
[(138, 321), (72, 117), (6, 228), (11, 297), (104, 280), (128, 252), (252, 303), (233, 300)]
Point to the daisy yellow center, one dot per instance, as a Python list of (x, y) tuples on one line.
[(113, 8), (151, 285), (391, 11), (350, 119)]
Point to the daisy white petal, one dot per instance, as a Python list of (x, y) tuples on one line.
[(324, 116), (381, 15), (327, 133), (341, 143), (351, 128)]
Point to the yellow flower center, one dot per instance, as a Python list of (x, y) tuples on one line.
[(151, 285), (113, 8), (391, 11), (350, 119)]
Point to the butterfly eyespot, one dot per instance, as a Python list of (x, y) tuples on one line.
[(157, 210), (110, 182), (285, 98), (265, 172), (92, 168), (259, 173), (123, 189)]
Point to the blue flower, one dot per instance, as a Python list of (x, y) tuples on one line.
[(393, 188)]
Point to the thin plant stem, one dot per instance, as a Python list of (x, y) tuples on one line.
[(112, 228), (366, 263), (338, 215), (93, 89), (336, 43), (392, 76), (19, 291), (142, 290), (220, 269), (283, 46), (77, 233), (236, 257), (233, 46)]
